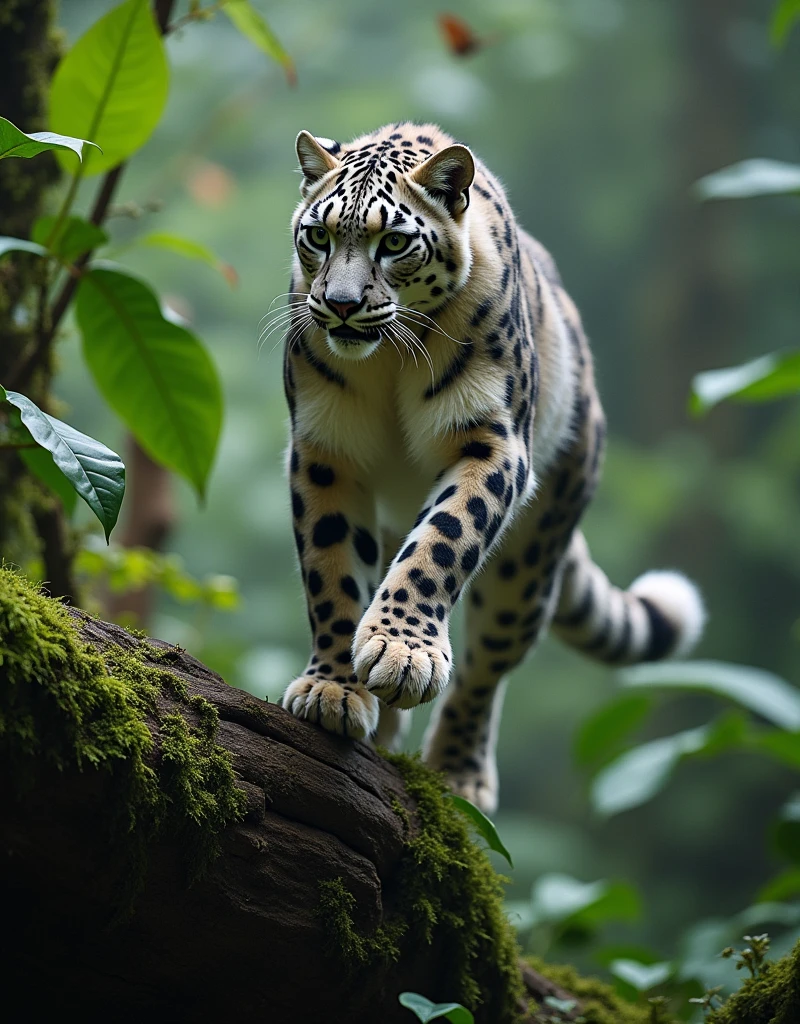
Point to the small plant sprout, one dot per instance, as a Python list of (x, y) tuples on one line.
[(709, 1000)]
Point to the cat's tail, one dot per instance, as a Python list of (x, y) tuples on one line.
[(659, 616)]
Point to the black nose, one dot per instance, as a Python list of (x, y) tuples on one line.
[(343, 309)]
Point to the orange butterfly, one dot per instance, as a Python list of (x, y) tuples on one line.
[(460, 38)]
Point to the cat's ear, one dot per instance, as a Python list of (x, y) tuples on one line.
[(317, 157), (447, 176)]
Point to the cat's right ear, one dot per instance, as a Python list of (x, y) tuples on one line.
[(317, 158)]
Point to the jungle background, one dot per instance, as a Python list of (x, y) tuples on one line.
[(598, 115)]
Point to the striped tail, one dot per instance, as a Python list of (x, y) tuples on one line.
[(659, 616)]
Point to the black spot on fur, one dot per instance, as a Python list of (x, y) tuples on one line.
[(477, 509), (476, 450), (448, 492), (470, 558), (447, 525), (343, 627), (408, 551), (350, 587), (314, 583), (322, 476), (298, 505), (507, 569), (324, 611), (533, 553), (365, 546), (496, 483), (443, 555), (330, 530)]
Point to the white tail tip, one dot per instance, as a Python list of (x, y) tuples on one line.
[(679, 600)]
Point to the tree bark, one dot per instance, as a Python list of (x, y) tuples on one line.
[(246, 941)]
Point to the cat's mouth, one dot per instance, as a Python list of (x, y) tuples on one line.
[(346, 333)]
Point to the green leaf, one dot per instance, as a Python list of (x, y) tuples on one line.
[(156, 375), (784, 15), (749, 179), (75, 237), (640, 976), (250, 23), (759, 691), (8, 244), (783, 746), (602, 735), (112, 85), (772, 376), (96, 473), (484, 825), (190, 250), (40, 463), (561, 899), (783, 887), (425, 1010), (636, 776), (13, 142), (641, 773)]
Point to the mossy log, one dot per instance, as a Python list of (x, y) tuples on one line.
[(174, 847)]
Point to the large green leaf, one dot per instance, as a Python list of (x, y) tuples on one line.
[(602, 735), (639, 774), (772, 376), (250, 23), (74, 236), (155, 374), (562, 900), (425, 1010), (13, 142), (484, 825), (636, 776), (749, 179), (96, 473), (112, 85), (753, 688), (784, 15)]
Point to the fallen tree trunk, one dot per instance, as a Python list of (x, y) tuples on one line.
[(338, 881)]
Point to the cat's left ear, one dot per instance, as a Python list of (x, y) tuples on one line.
[(317, 157), (447, 176)]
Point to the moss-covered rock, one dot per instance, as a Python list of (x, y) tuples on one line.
[(448, 893), (599, 1002), (771, 998), (67, 706)]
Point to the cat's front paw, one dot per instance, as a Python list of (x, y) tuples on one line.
[(347, 708), (402, 670)]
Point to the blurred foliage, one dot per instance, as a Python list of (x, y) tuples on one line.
[(598, 115)]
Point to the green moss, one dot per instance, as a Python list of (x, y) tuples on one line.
[(599, 1003), (65, 705), (448, 892), (771, 998)]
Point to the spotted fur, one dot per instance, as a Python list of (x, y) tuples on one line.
[(445, 424)]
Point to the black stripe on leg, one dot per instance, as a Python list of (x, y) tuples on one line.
[(621, 649), (662, 632), (579, 616), (598, 642)]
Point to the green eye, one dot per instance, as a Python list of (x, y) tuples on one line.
[(395, 242), (319, 237)]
